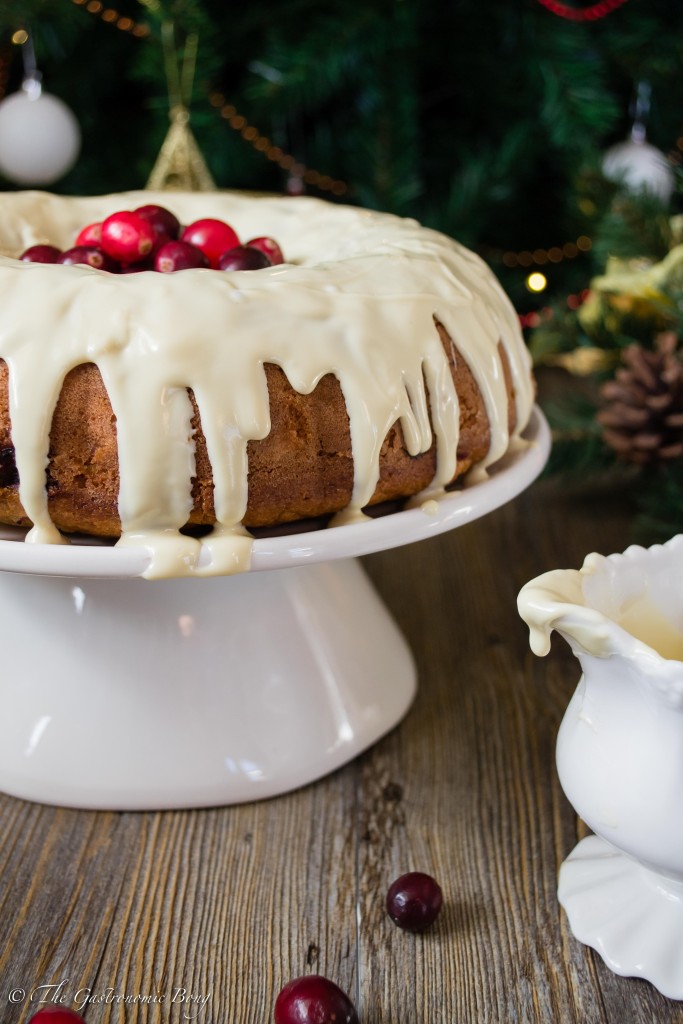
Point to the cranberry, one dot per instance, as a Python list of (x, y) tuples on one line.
[(213, 237), (41, 254), (91, 256), (269, 247), (127, 236), (9, 476), (165, 224), (179, 256), (414, 901), (90, 235), (242, 257), (314, 1000), (56, 1015)]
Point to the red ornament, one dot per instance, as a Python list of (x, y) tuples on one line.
[(314, 1000), (269, 247), (592, 13), (128, 237), (213, 237)]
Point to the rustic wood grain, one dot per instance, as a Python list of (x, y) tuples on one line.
[(231, 902)]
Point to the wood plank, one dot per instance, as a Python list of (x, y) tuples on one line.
[(232, 902), (228, 903)]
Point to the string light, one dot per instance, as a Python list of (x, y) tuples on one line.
[(540, 257), (112, 17), (536, 282), (263, 144), (593, 13)]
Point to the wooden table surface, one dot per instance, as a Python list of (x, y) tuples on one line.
[(228, 904)]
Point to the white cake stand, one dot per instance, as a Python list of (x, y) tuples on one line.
[(119, 693)]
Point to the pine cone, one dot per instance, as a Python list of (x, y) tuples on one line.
[(642, 414)]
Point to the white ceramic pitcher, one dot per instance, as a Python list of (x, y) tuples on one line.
[(620, 752)]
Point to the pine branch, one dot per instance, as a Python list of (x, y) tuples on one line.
[(636, 226), (576, 107), (577, 436)]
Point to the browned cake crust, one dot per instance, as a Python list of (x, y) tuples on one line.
[(302, 469)]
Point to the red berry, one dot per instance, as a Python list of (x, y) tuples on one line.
[(165, 224), (269, 247), (90, 235), (127, 236), (56, 1015), (414, 901), (179, 256), (213, 237), (314, 1000), (41, 254), (242, 257), (91, 256)]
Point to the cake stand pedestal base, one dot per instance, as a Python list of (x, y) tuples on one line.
[(632, 916), (121, 694)]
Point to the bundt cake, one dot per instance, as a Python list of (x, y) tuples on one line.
[(379, 361)]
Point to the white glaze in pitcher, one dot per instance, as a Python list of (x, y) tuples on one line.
[(620, 752)]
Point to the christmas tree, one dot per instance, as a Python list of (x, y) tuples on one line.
[(490, 122), (479, 119)]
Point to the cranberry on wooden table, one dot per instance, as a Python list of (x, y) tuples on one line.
[(314, 999), (56, 1015), (414, 901)]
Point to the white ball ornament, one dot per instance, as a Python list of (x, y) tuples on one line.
[(640, 166), (39, 137)]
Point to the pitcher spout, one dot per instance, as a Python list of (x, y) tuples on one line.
[(626, 606), (556, 601)]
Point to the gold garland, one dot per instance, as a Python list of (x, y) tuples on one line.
[(112, 17)]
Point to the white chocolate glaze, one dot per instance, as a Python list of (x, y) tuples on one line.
[(357, 298)]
